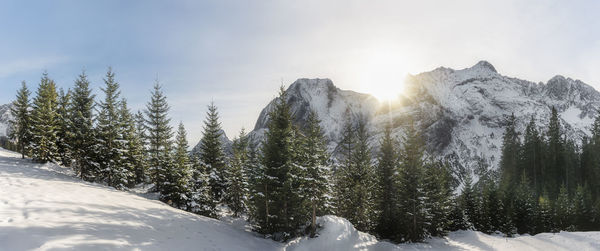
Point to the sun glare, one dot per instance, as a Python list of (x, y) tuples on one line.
[(383, 75)]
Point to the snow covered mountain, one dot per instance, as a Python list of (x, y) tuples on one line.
[(43, 207), (5, 117), (462, 112)]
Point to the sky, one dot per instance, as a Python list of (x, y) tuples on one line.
[(237, 53)]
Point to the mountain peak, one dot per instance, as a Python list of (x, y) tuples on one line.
[(485, 65)]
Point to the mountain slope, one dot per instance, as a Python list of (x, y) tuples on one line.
[(5, 117), (462, 112), (42, 207)]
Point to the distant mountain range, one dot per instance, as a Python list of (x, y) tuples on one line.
[(461, 112)]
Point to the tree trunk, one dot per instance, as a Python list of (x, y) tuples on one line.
[(313, 224)]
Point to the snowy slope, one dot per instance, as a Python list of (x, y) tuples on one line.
[(42, 207), (462, 112)]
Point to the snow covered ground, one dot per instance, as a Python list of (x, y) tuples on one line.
[(42, 207)]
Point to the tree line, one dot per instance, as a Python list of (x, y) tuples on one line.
[(282, 184)]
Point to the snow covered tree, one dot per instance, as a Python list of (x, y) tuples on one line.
[(544, 216), (438, 194), (387, 187), (45, 121), (140, 131), (278, 203), (524, 207), (200, 195), (110, 143), (82, 136), (64, 129), (355, 181), (470, 204), (176, 188), (159, 136), (563, 210), (211, 153), (21, 123), (411, 191), (314, 157), (236, 179), (582, 209), (133, 156)]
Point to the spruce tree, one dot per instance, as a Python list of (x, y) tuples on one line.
[(387, 189), (110, 143), (582, 209), (555, 160), (133, 156), (563, 210), (532, 157), (21, 125), (356, 182), (176, 188), (140, 131), (236, 179), (158, 136), (524, 207), (314, 158), (200, 195), (438, 195), (82, 136), (211, 153), (510, 155), (64, 129), (44, 121), (412, 194), (278, 202)]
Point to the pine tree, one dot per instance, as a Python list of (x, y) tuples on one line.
[(201, 201), (582, 209), (211, 153), (356, 182), (110, 143), (44, 120), (176, 188), (470, 204), (544, 215), (21, 125), (237, 183), (314, 158), (524, 207), (554, 156), (510, 155), (532, 157), (278, 203), (438, 194), (133, 156), (159, 136), (387, 189), (141, 170), (64, 129), (82, 136), (412, 195), (563, 210)]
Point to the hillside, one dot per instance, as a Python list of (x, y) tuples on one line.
[(42, 207)]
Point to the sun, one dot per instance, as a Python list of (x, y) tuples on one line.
[(383, 74)]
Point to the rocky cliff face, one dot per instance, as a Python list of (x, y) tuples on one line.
[(461, 112)]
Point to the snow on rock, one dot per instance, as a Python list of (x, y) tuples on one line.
[(5, 117), (42, 209), (462, 112)]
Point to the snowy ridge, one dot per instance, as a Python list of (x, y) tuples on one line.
[(43, 207), (462, 112)]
